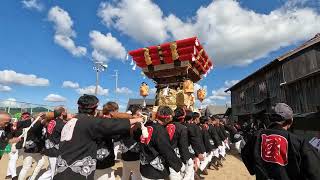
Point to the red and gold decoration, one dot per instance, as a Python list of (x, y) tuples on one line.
[(182, 50), (201, 94), (174, 67)]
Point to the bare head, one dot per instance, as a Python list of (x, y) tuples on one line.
[(196, 117), (110, 107), (136, 110), (4, 119), (60, 112)]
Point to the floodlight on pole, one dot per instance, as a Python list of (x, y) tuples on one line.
[(116, 75), (98, 67)]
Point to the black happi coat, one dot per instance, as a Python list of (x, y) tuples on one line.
[(157, 155), (105, 152), (232, 131), (214, 136), (178, 135), (35, 139), (196, 146), (130, 148), (20, 126), (206, 138), (52, 138), (222, 133), (78, 147), (280, 155)]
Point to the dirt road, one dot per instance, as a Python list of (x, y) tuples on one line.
[(233, 169)]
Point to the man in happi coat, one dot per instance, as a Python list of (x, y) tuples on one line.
[(157, 154), (78, 147), (275, 153)]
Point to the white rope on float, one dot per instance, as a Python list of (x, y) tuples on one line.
[(145, 133), (197, 42), (24, 135), (134, 67), (26, 130)]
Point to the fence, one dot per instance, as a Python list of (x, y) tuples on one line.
[(15, 107)]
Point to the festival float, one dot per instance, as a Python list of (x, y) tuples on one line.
[(174, 67)]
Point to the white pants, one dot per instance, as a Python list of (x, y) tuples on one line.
[(48, 175), (216, 152), (222, 150), (116, 149), (12, 164), (174, 175), (27, 163), (131, 166), (204, 163), (108, 174), (226, 144), (189, 172), (237, 145)]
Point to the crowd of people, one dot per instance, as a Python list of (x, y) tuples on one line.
[(166, 144), (169, 144)]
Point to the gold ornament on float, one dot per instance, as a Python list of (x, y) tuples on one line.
[(147, 57), (144, 92), (144, 89), (188, 86), (201, 94)]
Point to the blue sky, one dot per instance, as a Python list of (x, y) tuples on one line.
[(240, 36)]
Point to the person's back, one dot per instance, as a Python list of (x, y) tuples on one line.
[(157, 154), (78, 147), (275, 153)]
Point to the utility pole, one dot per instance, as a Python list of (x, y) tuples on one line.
[(116, 75)]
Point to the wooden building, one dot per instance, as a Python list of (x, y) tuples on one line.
[(293, 78), (149, 103)]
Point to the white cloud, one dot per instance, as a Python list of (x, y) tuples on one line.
[(70, 84), (240, 36), (219, 94), (124, 90), (106, 47), (152, 91), (231, 34), (64, 32), (55, 98), (91, 90), (230, 83), (33, 4), (11, 77), (4, 88), (122, 107), (198, 86), (139, 19), (10, 102)]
